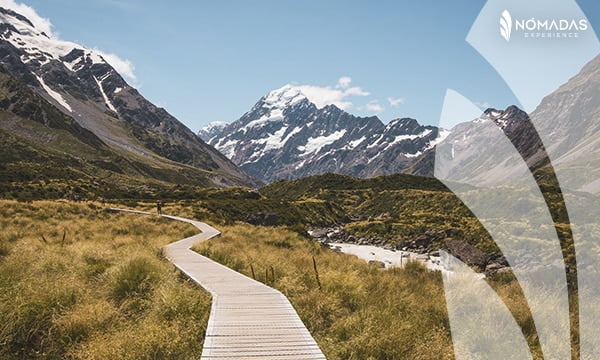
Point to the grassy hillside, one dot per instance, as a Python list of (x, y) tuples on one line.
[(77, 282), (397, 208), (319, 186)]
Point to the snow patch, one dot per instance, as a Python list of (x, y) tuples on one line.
[(355, 143), (208, 127), (442, 135), (228, 148), (273, 141), (56, 96), (317, 143), (273, 116), (106, 99), (95, 57)]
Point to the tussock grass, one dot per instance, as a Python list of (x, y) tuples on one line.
[(360, 312), (94, 287)]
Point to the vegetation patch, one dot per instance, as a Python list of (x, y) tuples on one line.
[(77, 282), (357, 312)]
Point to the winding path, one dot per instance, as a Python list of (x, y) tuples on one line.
[(248, 320)]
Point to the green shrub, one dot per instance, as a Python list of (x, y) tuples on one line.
[(135, 279)]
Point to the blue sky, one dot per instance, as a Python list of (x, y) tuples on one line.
[(212, 60)]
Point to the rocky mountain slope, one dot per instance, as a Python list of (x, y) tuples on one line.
[(563, 128), (83, 86), (286, 136)]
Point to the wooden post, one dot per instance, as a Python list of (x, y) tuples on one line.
[(267, 276), (316, 272), (252, 269)]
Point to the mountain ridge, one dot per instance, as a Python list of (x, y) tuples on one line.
[(81, 84), (286, 136)]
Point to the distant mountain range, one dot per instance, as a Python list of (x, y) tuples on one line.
[(66, 112), (66, 101), (286, 136)]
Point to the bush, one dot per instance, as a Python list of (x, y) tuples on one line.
[(135, 279)]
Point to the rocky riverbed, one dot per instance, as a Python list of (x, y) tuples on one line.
[(383, 253)]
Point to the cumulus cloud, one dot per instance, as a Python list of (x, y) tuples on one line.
[(396, 101), (40, 23), (337, 95), (123, 66), (374, 107), (344, 82)]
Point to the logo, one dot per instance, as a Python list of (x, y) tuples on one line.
[(541, 28), (506, 25)]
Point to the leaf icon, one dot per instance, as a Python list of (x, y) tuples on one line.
[(506, 25)]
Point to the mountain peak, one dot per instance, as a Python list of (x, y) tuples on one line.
[(286, 96), (509, 117), (37, 46), (15, 19), (211, 130)]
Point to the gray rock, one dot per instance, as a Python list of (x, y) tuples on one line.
[(376, 263)]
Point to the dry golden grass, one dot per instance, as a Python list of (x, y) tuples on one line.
[(360, 312), (77, 282)]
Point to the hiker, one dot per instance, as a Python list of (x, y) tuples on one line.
[(159, 206)]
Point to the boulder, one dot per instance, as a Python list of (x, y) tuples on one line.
[(376, 263), (467, 253)]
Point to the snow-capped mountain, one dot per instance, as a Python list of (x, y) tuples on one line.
[(285, 135), (211, 130), (84, 86)]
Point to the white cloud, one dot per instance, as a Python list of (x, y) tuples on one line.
[(396, 101), (123, 66), (40, 23), (343, 82), (338, 95), (374, 106), (483, 105)]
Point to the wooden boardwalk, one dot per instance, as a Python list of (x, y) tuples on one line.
[(248, 320)]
